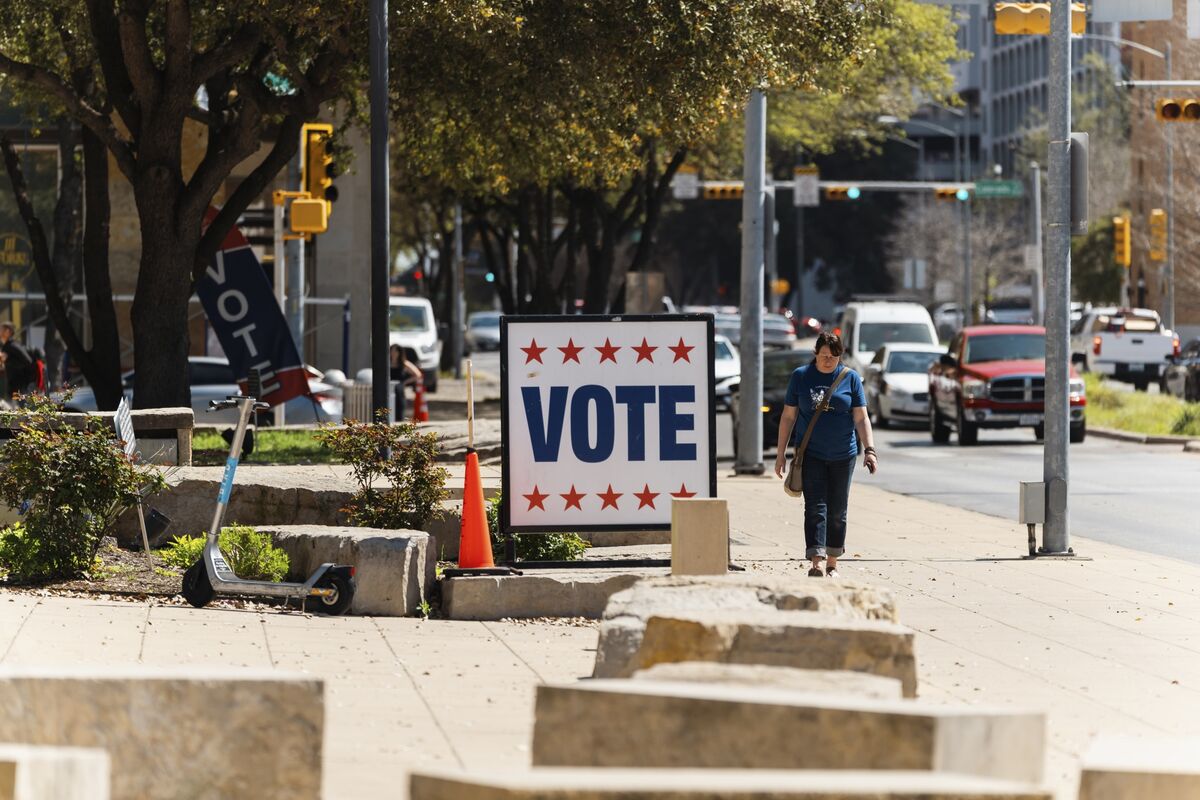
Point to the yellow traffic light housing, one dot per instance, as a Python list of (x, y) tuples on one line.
[(310, 216), (1034, 18), (1177, 109), (951, 193), (316, 163), (1122, 248), (723, 191), (1158, 234), (838, 193)]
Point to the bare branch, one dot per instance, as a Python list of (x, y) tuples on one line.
[(106, 37), (98, 123), (230, 53), (143, 73)]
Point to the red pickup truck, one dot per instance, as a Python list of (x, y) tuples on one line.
[(994, 376)]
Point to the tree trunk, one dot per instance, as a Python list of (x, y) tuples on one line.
[(66, 244), (104, 373)]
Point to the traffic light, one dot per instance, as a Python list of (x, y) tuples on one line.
[(1177, 109), (1122, 252), (781, 286), (951, 193), (842, 192), (722, 191), (1034, 18), (1158, 234), (316, 162)]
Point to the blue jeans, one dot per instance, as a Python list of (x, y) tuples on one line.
[(826, 494)]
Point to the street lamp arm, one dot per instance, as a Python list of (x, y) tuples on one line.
[(1118, 40)]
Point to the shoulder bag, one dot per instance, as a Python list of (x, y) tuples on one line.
[(793, 482)]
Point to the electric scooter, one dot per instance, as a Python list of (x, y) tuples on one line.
[(332, 584)]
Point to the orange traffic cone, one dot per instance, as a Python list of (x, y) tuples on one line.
[(420, 410), (475, 540)]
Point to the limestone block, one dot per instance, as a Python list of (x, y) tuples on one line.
[(621, 723), (803, 639), (822, 681), (625, 617), (181, 733), (53, 773), (699, 537), (395, 569), (1130, 768), (560, 593), (709, 784)]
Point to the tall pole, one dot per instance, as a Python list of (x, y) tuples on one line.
[(798, 290), (769, 248), (1169, 301), (294, 307), (456, 295), (750, 444), (1035, 225), (1056, 536), (968, 278), (380, 204)]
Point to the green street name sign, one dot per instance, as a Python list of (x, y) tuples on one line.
[(999, 189)]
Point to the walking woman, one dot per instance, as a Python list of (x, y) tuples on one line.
[(828, 459)]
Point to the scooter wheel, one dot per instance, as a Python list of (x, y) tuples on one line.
[(197, 589), (343, 594)]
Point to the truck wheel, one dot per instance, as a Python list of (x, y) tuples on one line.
[(1079, 432), (937, 426), (968, 432), (1141, 384), (1039, 432)]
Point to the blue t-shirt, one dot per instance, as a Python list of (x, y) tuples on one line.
[(833, 439)]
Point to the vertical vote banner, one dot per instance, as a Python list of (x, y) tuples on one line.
[(246, 317), (605, 419)]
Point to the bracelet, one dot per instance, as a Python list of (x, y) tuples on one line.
[(869, 450)]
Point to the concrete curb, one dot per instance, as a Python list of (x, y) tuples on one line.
[(1141, 438)]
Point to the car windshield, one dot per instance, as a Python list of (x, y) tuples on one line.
[(902, 361), (874, 335), (1005, 347), (409, 318), (486, 321), (722, 350)]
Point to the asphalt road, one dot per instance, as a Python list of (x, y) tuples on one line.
[(1142, 496)]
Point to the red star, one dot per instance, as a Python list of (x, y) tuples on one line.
[(645, 352), (609, 498), (536, 499), (608, 352), (681, 350), (571, 351), (646, 497), (573, 497), (683, 492), (533, 352)]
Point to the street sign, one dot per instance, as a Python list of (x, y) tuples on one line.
[(686, 183), (806, 191), (990, 190), (1131, 10)]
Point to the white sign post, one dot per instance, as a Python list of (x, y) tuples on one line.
[(123, 422), (605, 420)]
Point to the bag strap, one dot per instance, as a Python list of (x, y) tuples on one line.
[(812, 423)]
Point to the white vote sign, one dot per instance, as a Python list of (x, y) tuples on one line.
[(605, 419)]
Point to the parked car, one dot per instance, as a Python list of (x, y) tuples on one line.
[(483, 331), (1125, 344), (777, 331), (411, 325), (778, 366), (1182, 377), (947, 319), (727, 369), (897, 383), (995, 377), (867, 326), (1009, 311), (211, 378)]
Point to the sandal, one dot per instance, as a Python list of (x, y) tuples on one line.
[(815, 572), (832, 572)]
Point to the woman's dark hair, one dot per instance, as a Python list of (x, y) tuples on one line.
[(830, 340)]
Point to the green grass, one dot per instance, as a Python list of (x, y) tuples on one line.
[(1139, 412), (270, 447)]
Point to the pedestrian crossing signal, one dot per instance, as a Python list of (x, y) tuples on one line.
[(723, 191)]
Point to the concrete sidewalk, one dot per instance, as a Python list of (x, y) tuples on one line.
[(1110, 644)]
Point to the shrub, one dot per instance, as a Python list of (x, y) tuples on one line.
[(1187, 421), (250, 554), (398, 455), (70, 484), (534, 546)]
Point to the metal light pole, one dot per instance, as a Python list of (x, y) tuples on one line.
[(1035, 223), (1056, 535), (457, 294), (750, 444), (1169, 300), (380, 204)]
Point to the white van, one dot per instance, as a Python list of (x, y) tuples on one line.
[(867, 326), (412, 326)]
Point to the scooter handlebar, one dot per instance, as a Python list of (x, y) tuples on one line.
[(220, 405)]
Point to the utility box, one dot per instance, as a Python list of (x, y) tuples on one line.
[(1033, 503), (310, 216)]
